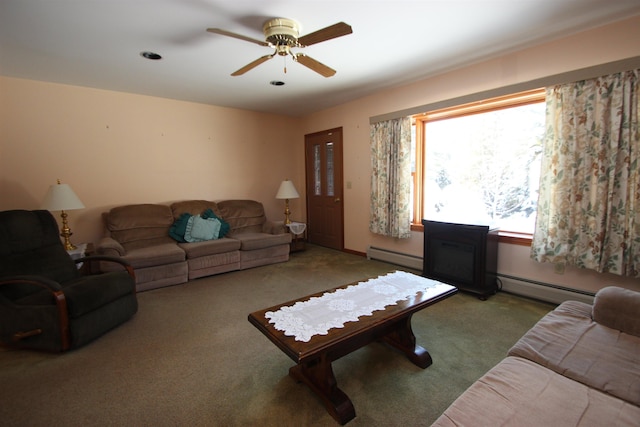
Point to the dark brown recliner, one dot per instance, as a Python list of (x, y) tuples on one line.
[(46, 302)]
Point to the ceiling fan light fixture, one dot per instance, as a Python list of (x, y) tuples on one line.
[(280, 31)]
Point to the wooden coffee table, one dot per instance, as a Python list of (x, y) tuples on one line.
[(391, 325)]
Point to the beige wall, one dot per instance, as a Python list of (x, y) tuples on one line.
[(606, 44), (117, 148)]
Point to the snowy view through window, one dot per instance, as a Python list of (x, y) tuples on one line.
[(485, 168)]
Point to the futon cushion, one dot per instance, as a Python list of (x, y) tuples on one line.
[(570, 343), (518, 392)]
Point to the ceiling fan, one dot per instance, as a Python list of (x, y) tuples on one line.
[(282, 35)]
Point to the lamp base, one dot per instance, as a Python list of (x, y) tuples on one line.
[(287, 212), (65, 233)]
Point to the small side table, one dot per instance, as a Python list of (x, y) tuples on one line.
[(78, 252), (299, 231), (82, 250)]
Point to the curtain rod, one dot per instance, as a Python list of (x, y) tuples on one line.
[(567, 77)]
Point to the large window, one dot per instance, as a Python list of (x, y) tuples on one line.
[(480, 162)]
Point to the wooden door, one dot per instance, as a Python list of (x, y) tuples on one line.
[(323, 154)]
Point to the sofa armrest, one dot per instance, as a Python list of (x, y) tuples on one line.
[(108, 246), (274, 227), (618, 308)]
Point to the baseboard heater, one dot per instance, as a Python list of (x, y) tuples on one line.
[(543, 291), (516, 285), (397, 258)]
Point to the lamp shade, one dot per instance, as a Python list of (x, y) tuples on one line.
[(287, 191), (61, 197)]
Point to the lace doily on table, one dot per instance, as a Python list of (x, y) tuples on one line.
[(297, 228), (317, 315)]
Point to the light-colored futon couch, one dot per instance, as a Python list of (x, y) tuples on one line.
[(140, 234), (578, 366)]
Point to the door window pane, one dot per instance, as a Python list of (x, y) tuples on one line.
[(317, 171), (330, 185)]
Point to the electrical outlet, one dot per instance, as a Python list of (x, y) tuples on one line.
[(558, 268)]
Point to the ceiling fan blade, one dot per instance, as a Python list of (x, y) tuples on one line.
[(314, 65), (331, 32), (236, 36), (252, 65)]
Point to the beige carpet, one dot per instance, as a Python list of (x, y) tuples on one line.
[(190, 358)]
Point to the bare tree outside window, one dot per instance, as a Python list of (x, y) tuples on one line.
[(484, 167)]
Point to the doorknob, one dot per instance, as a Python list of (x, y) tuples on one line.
[(336, 200)]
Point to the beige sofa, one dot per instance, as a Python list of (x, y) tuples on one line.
[(139, 234), (578, 366)]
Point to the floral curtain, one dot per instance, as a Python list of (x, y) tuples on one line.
[(391, 178), (589, 204)]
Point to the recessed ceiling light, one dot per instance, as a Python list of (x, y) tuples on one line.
[(150, 55), (276, 83)]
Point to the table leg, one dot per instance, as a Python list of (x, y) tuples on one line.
[(318, 375), (403, 339)]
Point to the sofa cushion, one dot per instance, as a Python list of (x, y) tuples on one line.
[(166, 253), (244, 216), (252, 241), (570, 343), (194, 207), (139, 226), (209, 247), (520, 393)]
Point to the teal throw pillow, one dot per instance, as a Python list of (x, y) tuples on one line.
[(179, 227), (224, 225), (200, 229)]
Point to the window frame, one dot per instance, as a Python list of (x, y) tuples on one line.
[(491, 104)]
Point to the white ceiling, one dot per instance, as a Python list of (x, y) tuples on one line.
[(97, 43)]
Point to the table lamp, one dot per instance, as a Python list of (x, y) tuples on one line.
[(287, 191), (61, 197)]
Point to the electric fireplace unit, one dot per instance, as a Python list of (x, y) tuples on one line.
[(463, 255)]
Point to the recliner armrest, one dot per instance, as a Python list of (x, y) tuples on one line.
[(618, 308), (109, 246)]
